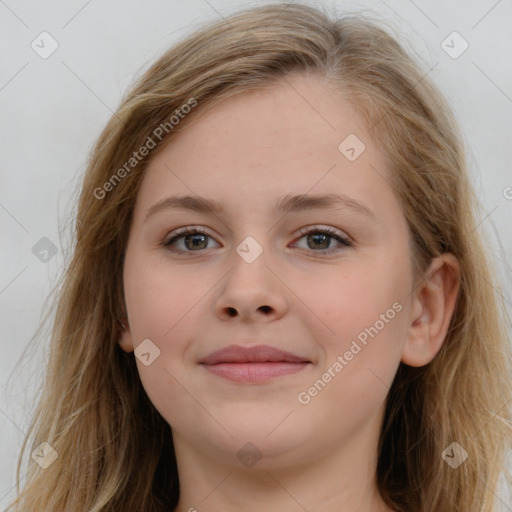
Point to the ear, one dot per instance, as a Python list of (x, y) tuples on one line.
[(126, 340), (433, 305)]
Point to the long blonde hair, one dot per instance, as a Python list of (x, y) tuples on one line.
[(114, 450)]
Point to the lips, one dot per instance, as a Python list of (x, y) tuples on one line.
[(253, 364), (256, 354)]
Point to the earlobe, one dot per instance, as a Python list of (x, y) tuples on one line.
[(125, 339), (433, 305)]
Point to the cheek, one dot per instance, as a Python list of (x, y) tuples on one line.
[(159, 301), (355, 297), (161, 307), (359, 364), (365, 309)]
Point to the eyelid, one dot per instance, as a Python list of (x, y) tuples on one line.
[(344, 239), (187, 230), (326, 229)]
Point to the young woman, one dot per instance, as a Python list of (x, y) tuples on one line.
[(277, 298)]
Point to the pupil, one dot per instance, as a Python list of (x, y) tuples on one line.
[(196, 241), (323, 238)]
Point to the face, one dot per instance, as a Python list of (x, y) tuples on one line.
[(324, 280)]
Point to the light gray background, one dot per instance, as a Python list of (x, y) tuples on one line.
[(53, 109)]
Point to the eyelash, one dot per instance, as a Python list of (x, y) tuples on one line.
[(191, 230)]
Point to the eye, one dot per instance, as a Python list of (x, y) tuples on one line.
[(193, 238), (320, 237)]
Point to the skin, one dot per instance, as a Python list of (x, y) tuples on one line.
[(247, 152)]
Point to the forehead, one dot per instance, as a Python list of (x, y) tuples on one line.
[(297, 136)]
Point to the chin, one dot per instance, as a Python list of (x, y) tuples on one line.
[(275, 442)]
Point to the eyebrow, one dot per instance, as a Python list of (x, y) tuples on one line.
[(286, 204)]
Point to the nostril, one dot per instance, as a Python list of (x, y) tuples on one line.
[(231, 311), (265, 309)]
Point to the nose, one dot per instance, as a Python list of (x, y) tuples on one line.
[(252, 291)]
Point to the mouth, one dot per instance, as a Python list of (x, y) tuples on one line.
[(253, 364)]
